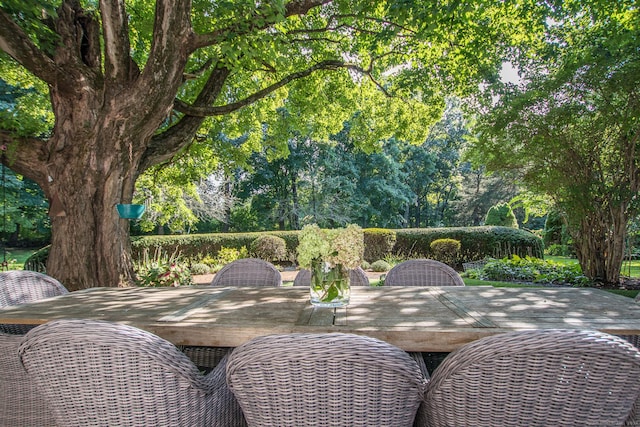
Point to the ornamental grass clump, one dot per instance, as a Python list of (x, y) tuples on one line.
[(162, 270)]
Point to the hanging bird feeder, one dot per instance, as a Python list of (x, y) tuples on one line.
[(130, 211)]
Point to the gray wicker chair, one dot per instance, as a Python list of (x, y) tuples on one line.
[(633, 339), (21, 403), (357, 277), (324, 380), (248, 272), (242, 272), (96, 373), (422, 272), (541, 378), (22, 287)]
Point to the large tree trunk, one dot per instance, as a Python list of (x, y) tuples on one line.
[(90, 244), (91, 226), (599, 243), (102, 139)]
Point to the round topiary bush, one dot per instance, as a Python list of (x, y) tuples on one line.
[(380, 266), (445, 250), (269, 248)]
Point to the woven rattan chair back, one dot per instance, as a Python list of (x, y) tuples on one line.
[(633, 339), (242, 272), (95, 373), (248, 272), (324, 380), (21, 403), (357, 277), (541, 378), (422, 272), (22, 287)]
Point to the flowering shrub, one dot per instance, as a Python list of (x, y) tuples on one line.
[(162, 270)]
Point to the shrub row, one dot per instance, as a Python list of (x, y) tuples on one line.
[(195, 247), (476, 243)]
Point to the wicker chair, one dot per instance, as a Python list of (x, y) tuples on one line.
[(633, 339), (96, 373), (324, 380), (242, 272), (422, 272), (23, 286), (248, 272), (357, 277), (21, 404), (542, 378)]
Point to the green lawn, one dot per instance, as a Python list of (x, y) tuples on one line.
[(16, 257), (629, 268)]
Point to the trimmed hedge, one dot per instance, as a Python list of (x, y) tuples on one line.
[(378, 243), (195, 247), (476, 243)]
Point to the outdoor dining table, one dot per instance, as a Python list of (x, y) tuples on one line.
[(430, 319)]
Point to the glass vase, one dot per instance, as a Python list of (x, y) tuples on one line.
[(329, 285)]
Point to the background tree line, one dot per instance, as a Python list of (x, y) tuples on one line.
[(335, 182), (269, 115), (331, 183)]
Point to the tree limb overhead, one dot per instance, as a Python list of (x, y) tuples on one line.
[(204, 111)]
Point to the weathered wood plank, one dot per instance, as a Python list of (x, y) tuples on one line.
[(415, 319), (191, 309), (472, 317)]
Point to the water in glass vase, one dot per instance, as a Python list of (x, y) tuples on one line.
[(329, 285)]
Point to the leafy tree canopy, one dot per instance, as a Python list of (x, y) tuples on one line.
[(571, 128), (120, 87)]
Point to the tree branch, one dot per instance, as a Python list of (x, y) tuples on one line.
[(26, 156), (164, 146), (15, 42), (205, 111), (116, 40), (295, 7)]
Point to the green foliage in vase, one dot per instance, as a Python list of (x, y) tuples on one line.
[(329, 283), (330, 254)]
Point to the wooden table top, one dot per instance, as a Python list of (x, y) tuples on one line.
[(412, 318)]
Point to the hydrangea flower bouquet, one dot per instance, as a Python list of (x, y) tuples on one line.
[(330, 255)]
